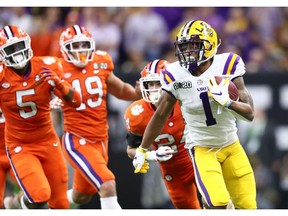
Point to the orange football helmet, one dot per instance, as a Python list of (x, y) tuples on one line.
[(77, 45), (15, 47), (151, 73)]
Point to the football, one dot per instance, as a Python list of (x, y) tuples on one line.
[(232, 89)]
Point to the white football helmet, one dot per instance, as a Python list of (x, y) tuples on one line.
[(15, 47), (77, 45), (151, 73)]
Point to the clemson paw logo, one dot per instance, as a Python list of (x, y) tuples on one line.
[(49, 60), (137, 110)]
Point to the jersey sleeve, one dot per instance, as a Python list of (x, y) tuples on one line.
[(104, 57), (234, 66), (167, 81), (134, 118)]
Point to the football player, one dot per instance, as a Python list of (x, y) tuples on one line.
[(85, 138), (223, 173), (33, 148), (168, 147)]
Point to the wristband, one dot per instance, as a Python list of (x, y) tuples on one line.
[(142, 150), (228, 104)]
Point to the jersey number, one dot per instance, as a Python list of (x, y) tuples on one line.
[(210, 120), (19, 101), (170, 141), (93, 87)]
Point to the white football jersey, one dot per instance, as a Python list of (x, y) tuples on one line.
[(205, 126)]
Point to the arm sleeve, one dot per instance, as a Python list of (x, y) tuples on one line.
[(133, 140)]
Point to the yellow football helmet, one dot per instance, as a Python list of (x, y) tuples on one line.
[(195, 37)]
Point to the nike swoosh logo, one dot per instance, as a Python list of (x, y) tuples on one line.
[(215, 93)]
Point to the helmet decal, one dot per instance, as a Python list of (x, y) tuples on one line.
[(77, 45), (196, 42)]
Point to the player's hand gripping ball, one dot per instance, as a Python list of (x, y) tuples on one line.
[(232, 88)]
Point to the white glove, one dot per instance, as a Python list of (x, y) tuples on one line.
[(163, 153), (139, 162), (219, 92), (56, 103)]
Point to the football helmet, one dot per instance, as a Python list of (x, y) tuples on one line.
[(15, 47), (77, 45), (151, 73), (195, 37)]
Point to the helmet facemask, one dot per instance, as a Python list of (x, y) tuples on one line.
[(79, 52), (17, 53), (151, 95), (187, 50)]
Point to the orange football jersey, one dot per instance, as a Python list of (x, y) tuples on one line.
[(25, 105), (91, 83), (137, 116), (178, 172)]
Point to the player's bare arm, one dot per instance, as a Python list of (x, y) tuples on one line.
[(122, 90), (154, 128), (244, 106)]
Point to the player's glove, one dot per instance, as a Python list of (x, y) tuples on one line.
[(144, 168), (139, 161), (219, 92), (56, 103), (50, 76), (163, 153)]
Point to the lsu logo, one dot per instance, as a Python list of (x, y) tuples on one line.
[(183, 85)]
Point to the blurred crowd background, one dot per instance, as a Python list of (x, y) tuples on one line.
[(134, 36)]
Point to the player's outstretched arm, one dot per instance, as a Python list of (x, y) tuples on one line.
[(123, 90), (154, 128)]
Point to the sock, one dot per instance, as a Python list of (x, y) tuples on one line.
[(110, 203), (23, 204), (15, 202), (230, 205), (69, 196)]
